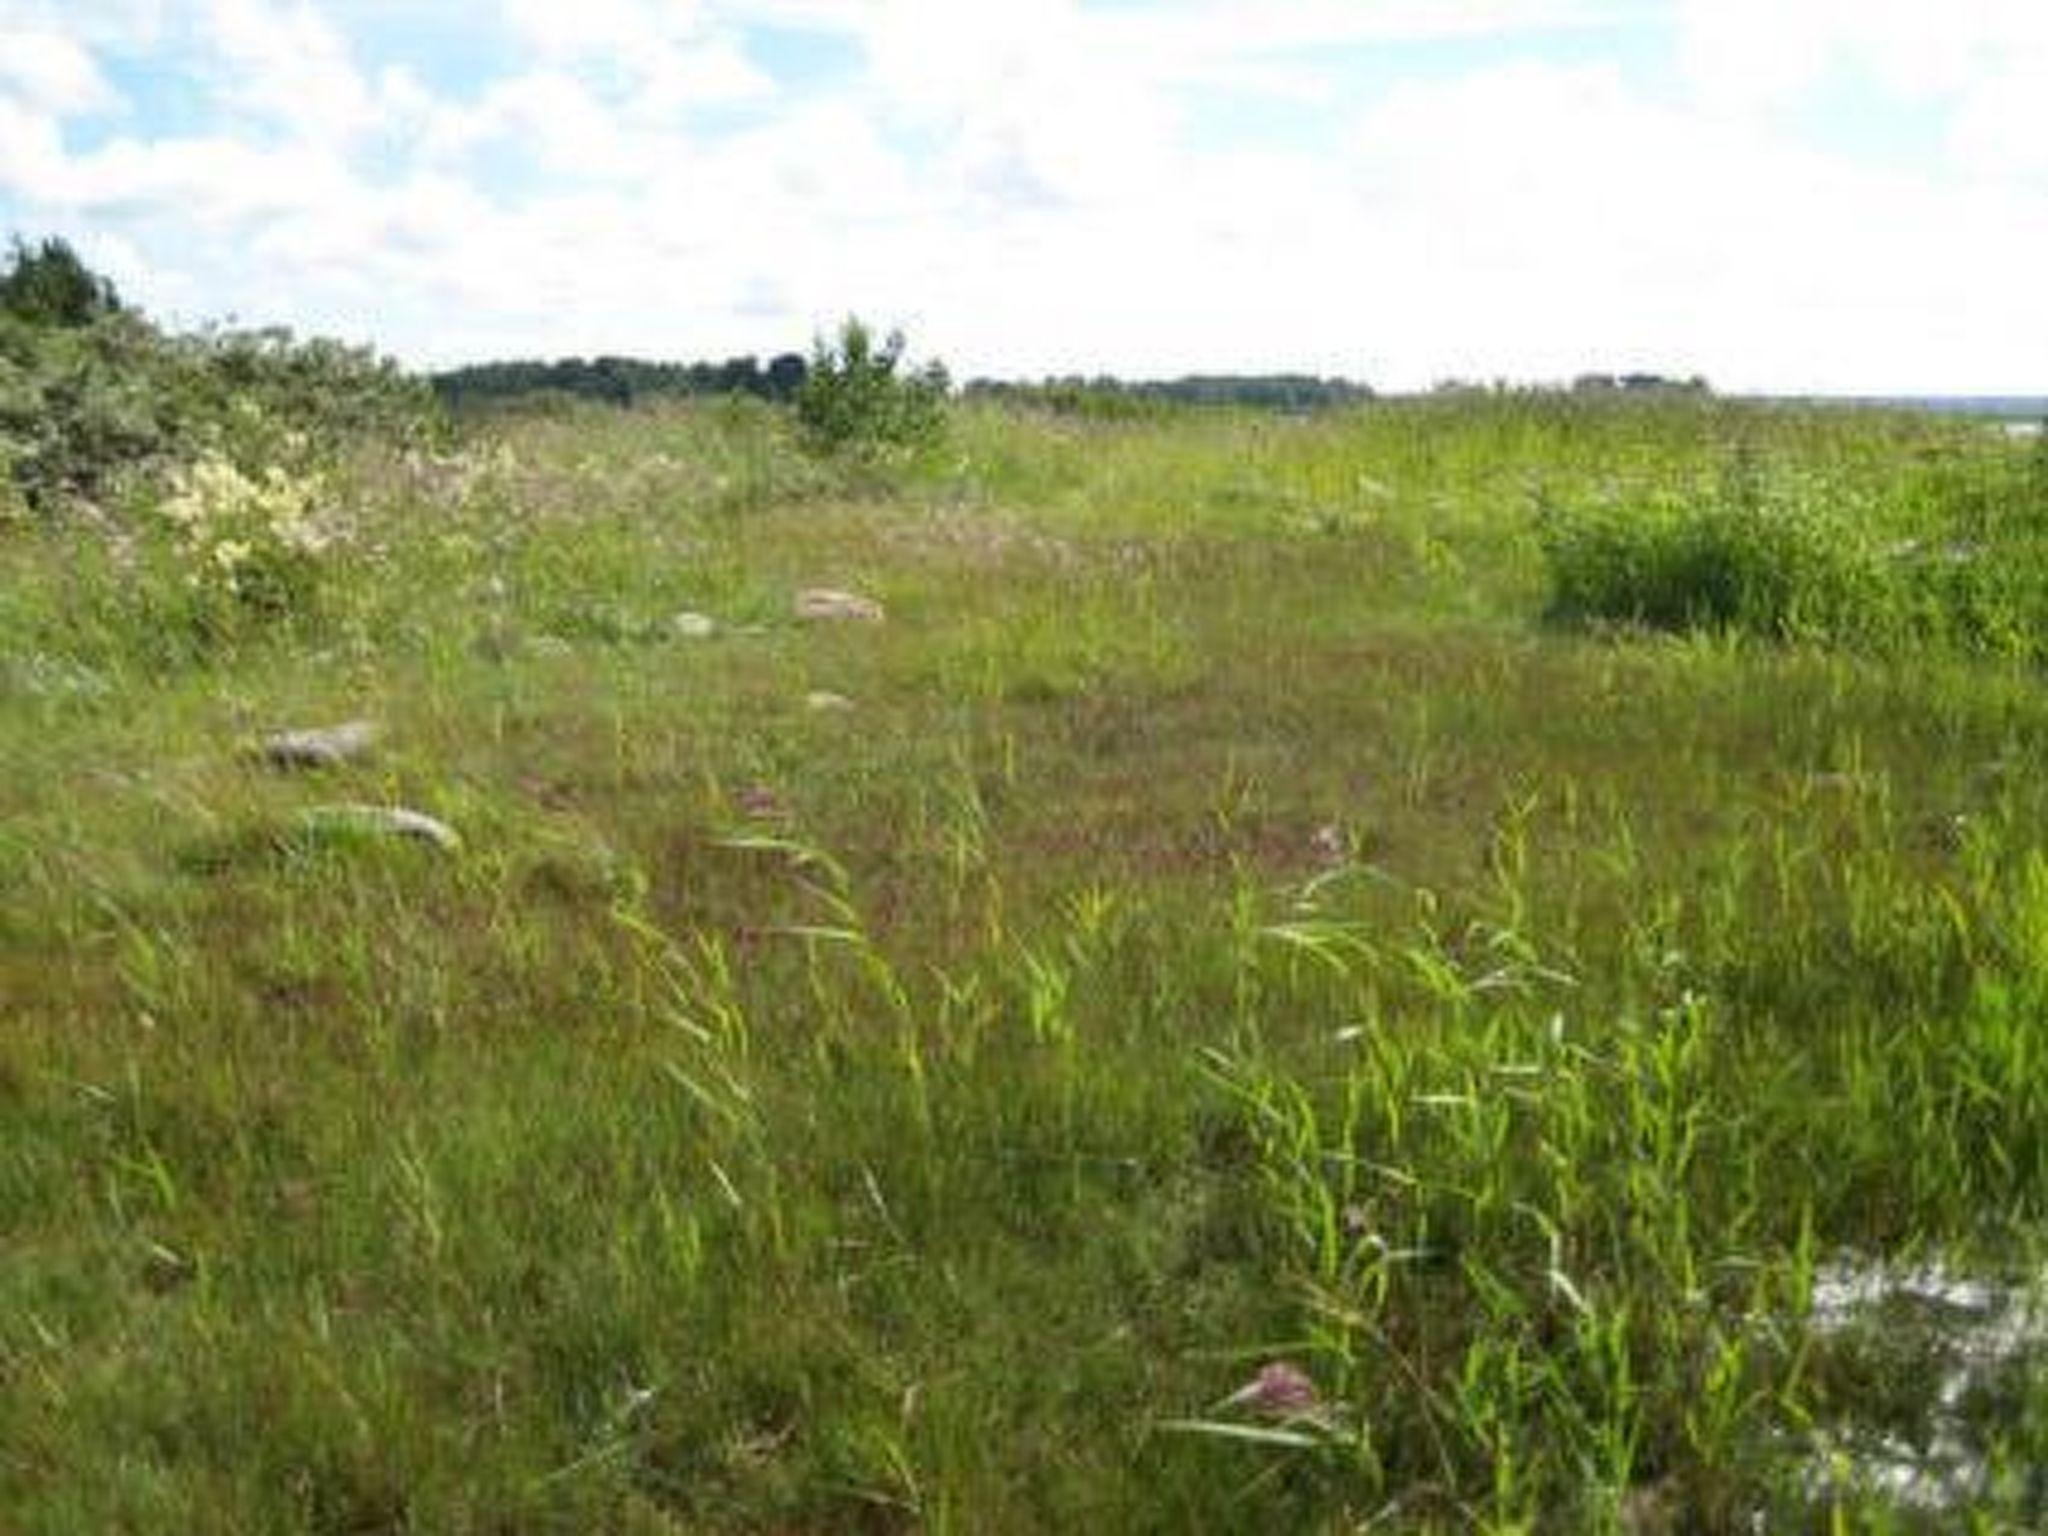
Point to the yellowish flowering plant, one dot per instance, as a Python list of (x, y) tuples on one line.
[(256, 541)]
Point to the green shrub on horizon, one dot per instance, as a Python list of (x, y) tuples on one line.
[(1947, 558), (859, 400)]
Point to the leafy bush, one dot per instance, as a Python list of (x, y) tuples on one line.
[(1955, 557), (1734, 559), (98, 406), (858, 399), (78, 406)]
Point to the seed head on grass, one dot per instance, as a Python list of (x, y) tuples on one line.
[(1280, 1390), (1297, 1414)]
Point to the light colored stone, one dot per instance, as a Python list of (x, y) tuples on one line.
[(355, 820), (326, 746), (826, 702), (826, 604), (693, 626)]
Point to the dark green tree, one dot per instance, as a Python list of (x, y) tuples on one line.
[(786, 374), (47, 284)]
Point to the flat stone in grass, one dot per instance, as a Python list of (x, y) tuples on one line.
[(821, 701), (825, 604), (353, 822), (327, 746), (693, 626)]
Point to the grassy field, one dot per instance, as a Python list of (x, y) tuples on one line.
[(1524, 920)]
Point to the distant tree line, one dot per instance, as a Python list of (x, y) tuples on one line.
[(621, 380), (1107, 396), (624, 380)]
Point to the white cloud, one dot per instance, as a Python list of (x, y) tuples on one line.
[(1756, 53), (1016, 180), (289, 66), (1573, 222), (611, 29), (2000, 128), (547, 115), (52, 73), (130, 23), (216, 182), (1218, 32), (31, 151), (673, 55), (1025, 106)]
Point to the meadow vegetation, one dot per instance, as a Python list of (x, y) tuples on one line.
[(1481, 900)]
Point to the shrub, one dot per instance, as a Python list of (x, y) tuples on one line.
[(1725, 561), (78, 407), (1952, 559), (858, 399), (96, 402)]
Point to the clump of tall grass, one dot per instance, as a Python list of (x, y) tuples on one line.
[(1945, 553)]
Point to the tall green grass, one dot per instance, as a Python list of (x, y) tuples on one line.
[(1230, 927), (1945, 553)]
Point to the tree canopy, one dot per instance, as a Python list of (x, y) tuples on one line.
[(48, 285)]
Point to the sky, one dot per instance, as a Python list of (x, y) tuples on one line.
[(1842, 196)]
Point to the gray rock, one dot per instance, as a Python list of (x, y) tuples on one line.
[(826, 703), (326, 746), (693, 626), (827, 604), (346, 821)]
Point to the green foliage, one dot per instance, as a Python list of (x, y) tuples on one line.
[(860, 400), (618, 380), (1949, 553), (97, 405), (79, 406), (49, 286), (1729, 559), (311, 391)]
